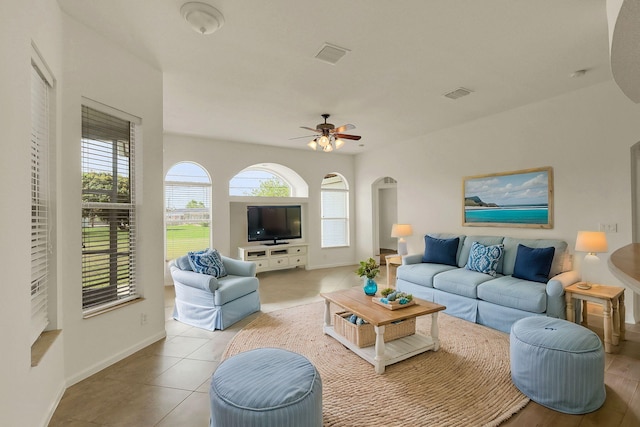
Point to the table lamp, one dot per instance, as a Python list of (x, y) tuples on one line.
[(592, 242), (401, 231)]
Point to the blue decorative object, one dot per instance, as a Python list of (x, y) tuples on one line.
[(440, 251), (370, 287), (207, 262), (485, 259), (533, 264)]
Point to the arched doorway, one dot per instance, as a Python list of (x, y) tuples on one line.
[(385, 214)]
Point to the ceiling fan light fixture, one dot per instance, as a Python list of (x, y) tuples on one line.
[(323, 141), (328, 148), (313, 144), (203, 18), (339, 143)]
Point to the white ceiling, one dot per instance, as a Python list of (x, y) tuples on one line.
[(256, 79)]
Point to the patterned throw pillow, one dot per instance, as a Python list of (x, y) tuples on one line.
[(485, 259), (207, 262)]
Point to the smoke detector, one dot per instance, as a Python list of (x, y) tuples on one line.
[(203, 18)]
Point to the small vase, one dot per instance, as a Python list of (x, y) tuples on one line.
[(370, 287)]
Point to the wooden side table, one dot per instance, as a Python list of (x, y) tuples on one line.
[(393, 261), (612, 300)]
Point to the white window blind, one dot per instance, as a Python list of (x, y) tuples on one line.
[(334, 197), (40, 227), (187, 209), (108, 210)]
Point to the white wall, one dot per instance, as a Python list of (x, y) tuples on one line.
[(223, 160), (97, 69), (585, 136), (28, 395)]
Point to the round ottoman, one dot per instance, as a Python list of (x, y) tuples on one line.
[(558, 364), (266, 387)]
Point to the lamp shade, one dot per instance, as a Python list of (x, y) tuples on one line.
[(591, 241), (401, 230)]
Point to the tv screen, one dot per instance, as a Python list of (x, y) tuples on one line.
[(265, 223)]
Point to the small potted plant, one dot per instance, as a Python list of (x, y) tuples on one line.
[(369, 269)]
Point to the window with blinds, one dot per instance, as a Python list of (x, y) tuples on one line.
[(108, 210), (187, 201), (334, 195), (40, 227)]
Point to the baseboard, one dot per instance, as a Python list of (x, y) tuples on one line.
[(94, 369), (318, 267), (54, 405)]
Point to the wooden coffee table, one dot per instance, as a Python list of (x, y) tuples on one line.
[(382, 354)]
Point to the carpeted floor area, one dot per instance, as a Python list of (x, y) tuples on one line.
[(466, 382)]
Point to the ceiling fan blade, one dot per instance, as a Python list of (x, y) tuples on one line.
[(345, 136), (300, 137), (312, 130), (343, 128)]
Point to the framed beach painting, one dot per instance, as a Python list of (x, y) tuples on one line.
[(509, 199)]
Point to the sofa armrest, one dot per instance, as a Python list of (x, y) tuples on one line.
[(194, 280), (238, 267), (411, 259), (556, 285)]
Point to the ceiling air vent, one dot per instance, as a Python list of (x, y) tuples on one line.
[(458, 93), (331, 53)]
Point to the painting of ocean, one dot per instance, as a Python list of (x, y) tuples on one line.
[(517, 199)]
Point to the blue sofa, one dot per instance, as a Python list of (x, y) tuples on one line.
[(212, 303), (495, 301)]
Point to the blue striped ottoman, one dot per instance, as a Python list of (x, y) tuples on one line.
[(558, 364), (266, 387)]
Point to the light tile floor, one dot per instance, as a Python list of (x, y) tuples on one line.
[(167, 383)]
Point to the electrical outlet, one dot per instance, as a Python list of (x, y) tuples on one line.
[(608, 228), (143, 319)]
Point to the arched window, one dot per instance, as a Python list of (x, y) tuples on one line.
[(334, 195), (187, 201), (268, 180), (259, 183)]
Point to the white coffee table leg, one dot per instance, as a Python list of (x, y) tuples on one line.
[(327, 313), (434, 331), (379, 359)]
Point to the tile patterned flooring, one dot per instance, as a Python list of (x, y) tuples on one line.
[(167, 383)]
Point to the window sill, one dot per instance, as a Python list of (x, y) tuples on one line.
[(42, 345), (111, 308)]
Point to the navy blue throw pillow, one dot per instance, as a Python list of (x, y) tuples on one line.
[(533, 264), (440, 251)]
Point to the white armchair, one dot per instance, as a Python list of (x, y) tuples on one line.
[(214, 303)]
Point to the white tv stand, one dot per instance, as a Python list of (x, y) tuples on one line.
[(276, 257)]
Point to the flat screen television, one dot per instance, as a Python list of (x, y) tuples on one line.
[(274, 223)]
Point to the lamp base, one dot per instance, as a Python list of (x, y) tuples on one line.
[(402, 247)]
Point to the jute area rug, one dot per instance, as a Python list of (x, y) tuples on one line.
[(465, 383)]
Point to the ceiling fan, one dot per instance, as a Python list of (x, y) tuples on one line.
[(330, 137)]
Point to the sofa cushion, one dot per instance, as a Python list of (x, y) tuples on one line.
[(421, 274), (509, 291), (460, 281), (207, 262), (484, 259), (440, 251), (183, 263), (533, 264), (511, 250), (234, 287), (483, 240)]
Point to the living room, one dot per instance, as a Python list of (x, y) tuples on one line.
[(584, 129)]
